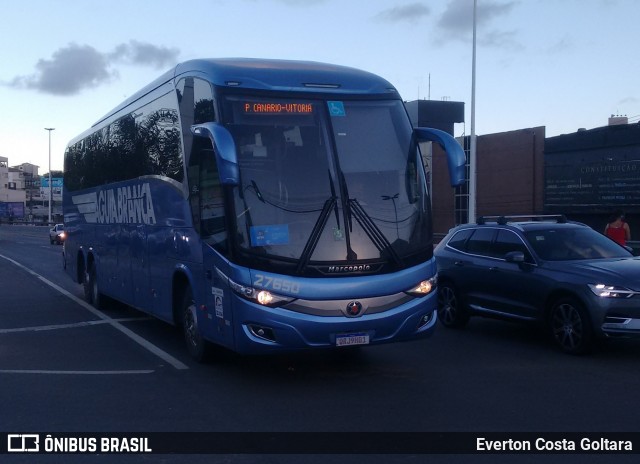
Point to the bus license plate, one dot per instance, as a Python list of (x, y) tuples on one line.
[(352, 339)]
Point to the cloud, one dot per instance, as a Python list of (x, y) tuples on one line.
[(144, 54), (70, 70), (500, 39), (411, 12), (629, 100), (74, 68), (561, 46), (456, 23)]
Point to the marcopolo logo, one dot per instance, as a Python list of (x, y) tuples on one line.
[(349, 269), (132, 204)]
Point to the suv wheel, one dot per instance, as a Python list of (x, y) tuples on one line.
[(451, 311), (570, 326)]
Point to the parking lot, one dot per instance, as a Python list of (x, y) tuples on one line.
[(67, 367)]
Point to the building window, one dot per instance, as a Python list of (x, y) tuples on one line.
[(461, 193)]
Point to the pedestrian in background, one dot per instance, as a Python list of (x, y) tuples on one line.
[(617, 229)]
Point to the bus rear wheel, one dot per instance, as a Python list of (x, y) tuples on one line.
[(198, 347), (91, 290)]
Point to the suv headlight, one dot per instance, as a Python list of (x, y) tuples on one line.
[(611, 291), (423, 288)]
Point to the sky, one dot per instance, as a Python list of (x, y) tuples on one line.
[(562, 64)]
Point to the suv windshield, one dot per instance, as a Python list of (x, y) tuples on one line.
[(573, 243), (328, 182)]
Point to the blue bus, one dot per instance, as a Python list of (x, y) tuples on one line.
[(261, 205)]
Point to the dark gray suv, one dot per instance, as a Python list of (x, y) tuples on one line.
[(575, 281)]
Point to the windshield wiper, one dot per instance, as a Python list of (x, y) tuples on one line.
[(372, 230), (318, 228), (316, 233), (355, 210), (348, 227)]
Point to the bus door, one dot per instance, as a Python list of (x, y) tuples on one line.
[(207, 207)]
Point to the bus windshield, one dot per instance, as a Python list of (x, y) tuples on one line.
[(326, 184)]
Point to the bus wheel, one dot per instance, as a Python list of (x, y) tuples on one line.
[(197, 346), (91, 290)]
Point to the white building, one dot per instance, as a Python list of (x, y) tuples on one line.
[(11, 183)]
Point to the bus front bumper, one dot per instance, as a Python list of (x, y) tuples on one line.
[(264, 330)]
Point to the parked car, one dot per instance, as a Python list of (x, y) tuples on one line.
[(57, 234), (564, 275)]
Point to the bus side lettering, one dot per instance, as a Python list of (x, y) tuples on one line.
[(126, 205)]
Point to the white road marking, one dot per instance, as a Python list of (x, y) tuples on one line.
[(71, 326), (113, 322)]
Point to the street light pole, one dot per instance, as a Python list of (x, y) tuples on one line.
[(50, 184), (472, 148)]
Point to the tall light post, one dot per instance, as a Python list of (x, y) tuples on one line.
[(50, 184), (472, 148)]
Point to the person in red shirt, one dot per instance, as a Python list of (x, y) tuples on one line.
[(617, 229)]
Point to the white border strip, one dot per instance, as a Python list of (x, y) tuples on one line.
[(113, 322), (38, 371)]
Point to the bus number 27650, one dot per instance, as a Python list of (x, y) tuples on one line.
[(270, 283)]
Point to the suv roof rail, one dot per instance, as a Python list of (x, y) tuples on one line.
[(559, 218)]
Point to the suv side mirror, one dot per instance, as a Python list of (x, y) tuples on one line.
[(514, 257)]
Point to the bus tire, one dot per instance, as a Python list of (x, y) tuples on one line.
[(197, 346), (91, 290)]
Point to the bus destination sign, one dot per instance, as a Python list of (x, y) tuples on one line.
[(270, 108)]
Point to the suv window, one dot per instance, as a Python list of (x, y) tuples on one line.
[(480, 242), (508, 241), (459, 239), (573, 243)]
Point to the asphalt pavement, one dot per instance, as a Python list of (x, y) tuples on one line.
[(66, 367)]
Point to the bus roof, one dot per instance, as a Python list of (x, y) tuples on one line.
[(287, 75), (270, 74)]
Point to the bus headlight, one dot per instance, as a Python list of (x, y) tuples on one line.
[(423, 288), (258, 295), (264, 297)]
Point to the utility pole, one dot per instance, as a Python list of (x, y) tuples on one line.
[(472, 148), (50, 183)]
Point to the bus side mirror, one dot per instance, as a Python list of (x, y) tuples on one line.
[(224, 148), (456, 158)]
